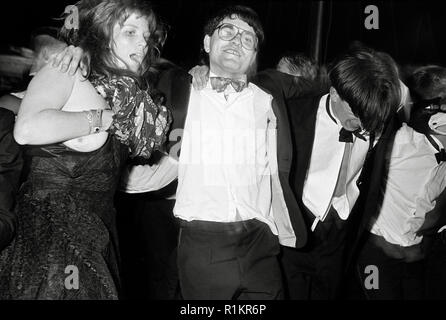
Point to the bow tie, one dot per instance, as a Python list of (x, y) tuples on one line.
[(219, 84), (440, 156), (347, 136)]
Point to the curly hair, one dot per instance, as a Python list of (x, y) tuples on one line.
[(97, 19)]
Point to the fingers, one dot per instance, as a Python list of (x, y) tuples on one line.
[(68, 59), (203, 75), (76, 58), (58, 58), (199, 77), (195, 78)]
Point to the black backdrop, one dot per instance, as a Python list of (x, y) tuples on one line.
[(412, 32)]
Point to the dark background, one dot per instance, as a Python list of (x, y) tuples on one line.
[(411, 31)]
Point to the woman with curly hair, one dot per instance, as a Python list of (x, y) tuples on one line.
[(65, 246)]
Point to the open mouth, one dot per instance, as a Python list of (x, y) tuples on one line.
[(137, 57), (233, 52)]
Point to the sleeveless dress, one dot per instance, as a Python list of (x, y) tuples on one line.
[(66, 240)]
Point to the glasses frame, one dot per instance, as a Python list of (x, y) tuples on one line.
[(238, 33)]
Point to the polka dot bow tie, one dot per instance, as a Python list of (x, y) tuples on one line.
[(219, 84)]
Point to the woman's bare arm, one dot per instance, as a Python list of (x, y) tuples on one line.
[(40, 119)]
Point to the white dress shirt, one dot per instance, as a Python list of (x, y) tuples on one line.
[(325, 165), (228, 161), (414, 182)]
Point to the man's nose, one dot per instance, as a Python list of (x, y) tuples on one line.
[(237, 39)]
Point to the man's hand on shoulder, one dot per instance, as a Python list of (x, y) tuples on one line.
[(200, 76), (69, 60)]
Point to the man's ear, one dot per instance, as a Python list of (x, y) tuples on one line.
[(334, 94), (207, 43)]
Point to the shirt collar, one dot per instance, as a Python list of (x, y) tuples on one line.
[(330, 113), (329, 110), (436, 143)]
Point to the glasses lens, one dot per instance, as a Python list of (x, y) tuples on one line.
[(248, 40), (227, 32)]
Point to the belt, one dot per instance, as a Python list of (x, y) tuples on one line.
[(222, 227)]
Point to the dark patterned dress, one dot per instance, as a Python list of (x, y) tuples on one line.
[(66, 245)]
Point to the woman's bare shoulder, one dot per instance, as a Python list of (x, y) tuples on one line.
[(51, 81)]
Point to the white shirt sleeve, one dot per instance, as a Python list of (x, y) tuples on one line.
[(145, 178)]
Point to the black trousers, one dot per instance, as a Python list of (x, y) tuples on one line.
[(315, 272), (148, 235), (435, 272), (395, 279), (223, 261)]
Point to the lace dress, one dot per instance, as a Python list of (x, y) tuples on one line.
[(66, 245)]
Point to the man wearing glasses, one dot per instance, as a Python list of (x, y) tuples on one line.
[(229, 199)]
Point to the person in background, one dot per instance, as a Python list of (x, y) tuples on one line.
[(416, 178), (299, 65), (45, 47), (148, 230)]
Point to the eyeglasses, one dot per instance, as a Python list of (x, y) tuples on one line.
[(436, 108), (432, 105), (228, 31)]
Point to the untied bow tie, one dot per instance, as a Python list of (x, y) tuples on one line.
[(219, 84), (440, 156), (347, 136)]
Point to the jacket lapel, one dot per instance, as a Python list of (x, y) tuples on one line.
[(175, 83)]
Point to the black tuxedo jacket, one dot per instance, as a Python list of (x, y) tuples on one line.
[(175, 83), (371, 183), (11, 163)]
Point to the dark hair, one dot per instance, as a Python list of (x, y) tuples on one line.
[(427, 86), (244, 13), (299, 63), (368, 81), (428, 82), (96, 21)]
